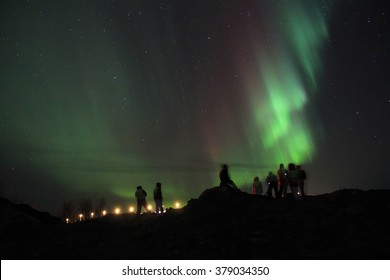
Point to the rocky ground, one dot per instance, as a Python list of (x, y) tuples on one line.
[(347, 224)]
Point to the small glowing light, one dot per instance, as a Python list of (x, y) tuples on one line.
[(177, 204), (117, 211), (81, 216), (131, 209), (149, 207), (67, 220), (104, 212), (92, 214)]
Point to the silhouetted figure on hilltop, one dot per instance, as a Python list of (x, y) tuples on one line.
[(225, 178), (140, 195), (283, 180), (301, 179), (272, 182), (158, 198), (293, 180), (257, 187)]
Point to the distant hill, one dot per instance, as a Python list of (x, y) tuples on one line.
[(10, 211), (346, 224)]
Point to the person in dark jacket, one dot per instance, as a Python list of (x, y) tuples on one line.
[(140, 195), (272, 182), (283, 180), (158, 198), (293, 180), (301, 179)]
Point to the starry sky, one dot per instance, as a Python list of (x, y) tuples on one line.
[(97, 97)]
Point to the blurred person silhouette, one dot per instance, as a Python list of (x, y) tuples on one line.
[(283, 180), (140, 195), (158, 198), (293, 180), (225, 178), (272, 182), (301, 179), (257, 187)]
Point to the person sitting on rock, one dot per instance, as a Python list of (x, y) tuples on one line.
[(225, 178)]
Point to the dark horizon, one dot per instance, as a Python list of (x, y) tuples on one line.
[(222, 224)]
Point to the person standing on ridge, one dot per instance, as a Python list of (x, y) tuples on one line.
[(293, 180), (272, 182), (283, 180), (257, 187), (158, 198), (301, 179)]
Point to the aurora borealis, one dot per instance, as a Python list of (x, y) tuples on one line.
[(98, 97)]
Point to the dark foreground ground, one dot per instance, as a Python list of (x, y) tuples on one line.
[(347, 224)]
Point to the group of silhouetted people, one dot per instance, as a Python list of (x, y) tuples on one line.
[(141, 194), (293, 177)]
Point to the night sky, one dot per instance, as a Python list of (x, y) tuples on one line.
[(97, 97)]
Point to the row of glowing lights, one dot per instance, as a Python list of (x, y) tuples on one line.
[(117, 211)]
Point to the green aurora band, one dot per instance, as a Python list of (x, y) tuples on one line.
[(288, 78), (63, 88)]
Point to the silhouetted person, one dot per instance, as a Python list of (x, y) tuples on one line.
[(293, 180), (272, 182), (225, 178), (301, 179), (140, 195), (158, 198), (283, 180), (257, 187)]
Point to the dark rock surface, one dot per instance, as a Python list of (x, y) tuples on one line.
[(347, 224)]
